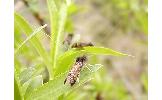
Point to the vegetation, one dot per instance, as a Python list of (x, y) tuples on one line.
[(41, 68)]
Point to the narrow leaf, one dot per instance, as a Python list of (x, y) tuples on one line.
[(34, 84), (53, 12), (33, 74), (17, 93), (26, 28), (56, 87), (26, 74), (103, 51), (57, 20), (30, 36), (67, 59)]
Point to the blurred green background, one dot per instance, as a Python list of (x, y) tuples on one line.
[(118, 24)]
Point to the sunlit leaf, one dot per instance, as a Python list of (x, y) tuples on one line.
[(17, 91), (103, 51), (27, 29), (57, 19), (26, 74), (30, 36), (67, 59), (56, 87), (34, 84)]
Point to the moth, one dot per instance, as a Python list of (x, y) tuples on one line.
[(81, 44), (73, 75)]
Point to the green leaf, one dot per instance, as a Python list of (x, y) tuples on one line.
[(56, 87), (75, 96), (57, 19), (30, 36), (67, 59), (26, 74), (30, 75), (17, 36), (25, 86), (17, 93), (26, 28), (33, 84), (103, 51)]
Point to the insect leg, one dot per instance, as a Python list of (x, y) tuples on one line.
[(65, 80), (78, 79)]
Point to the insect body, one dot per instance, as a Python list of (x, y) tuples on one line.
[(73, 75), (80, 45)]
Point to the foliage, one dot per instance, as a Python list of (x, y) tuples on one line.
[(29, 80)]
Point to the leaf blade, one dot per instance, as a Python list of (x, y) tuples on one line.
[(17, 91), (103, 51), (34, 84), (56, 87), (27, 29), (29, 37), (67, 59), (58, 14)]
